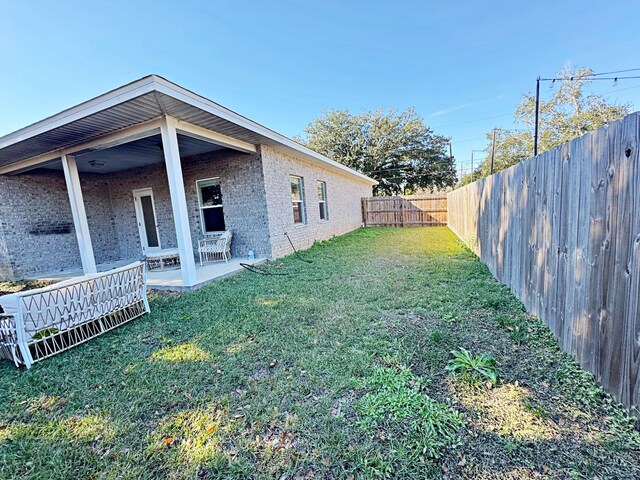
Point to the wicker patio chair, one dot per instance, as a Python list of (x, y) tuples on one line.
[(215, 247)]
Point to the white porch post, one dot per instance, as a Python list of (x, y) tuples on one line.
[(178, 201), (79, 214)]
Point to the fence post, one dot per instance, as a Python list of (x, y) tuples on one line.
[(364, 211)]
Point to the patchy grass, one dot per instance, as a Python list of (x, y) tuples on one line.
[(396, 408), (337, 370)]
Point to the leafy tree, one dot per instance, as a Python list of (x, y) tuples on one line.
[(397, 149), (569, 113)]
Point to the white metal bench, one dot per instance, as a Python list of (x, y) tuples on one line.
[(37, 324)]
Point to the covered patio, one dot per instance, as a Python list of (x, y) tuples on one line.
[(152, 186), (129, 210), (129, 201)]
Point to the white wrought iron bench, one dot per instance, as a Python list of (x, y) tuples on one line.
[(215, 247), (37, 324)]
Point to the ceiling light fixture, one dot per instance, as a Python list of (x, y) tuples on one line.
[(96, 164)]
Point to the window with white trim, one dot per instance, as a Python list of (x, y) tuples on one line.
[(297, 199), (210, 203), (322, 200)]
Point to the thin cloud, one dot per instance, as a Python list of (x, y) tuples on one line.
[(446, 111), (450, 109)]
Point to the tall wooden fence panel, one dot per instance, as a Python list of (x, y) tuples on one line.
[(562, 230), (410, 211)]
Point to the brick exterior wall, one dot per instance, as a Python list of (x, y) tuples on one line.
[(100, 216), (242, 195), (344, 194), (243, 198), (6, 268), (36, 226)]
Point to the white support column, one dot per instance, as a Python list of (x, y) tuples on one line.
[(79, 214), (178, 201)]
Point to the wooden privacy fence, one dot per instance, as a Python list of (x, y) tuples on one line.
[(413, 211), (562, 230)]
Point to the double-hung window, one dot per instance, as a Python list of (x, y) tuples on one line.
[(322, 200), (210, 203), (297, 198)]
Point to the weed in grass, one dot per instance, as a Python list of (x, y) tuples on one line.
[(437, 336), (536, 410), (519, 335), (395, 404), (474, 369), (516, 326), (510, 445), (495, 302), (505, 321)]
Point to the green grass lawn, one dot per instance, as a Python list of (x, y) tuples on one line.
[(337, 370)]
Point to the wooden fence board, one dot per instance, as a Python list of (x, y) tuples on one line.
[(562, 230), (410, 211)]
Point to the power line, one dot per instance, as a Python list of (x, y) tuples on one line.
[(619, 90), (585, 78), (473, 121), (469, 140), (617, 71), (589, 77), (406, 169)]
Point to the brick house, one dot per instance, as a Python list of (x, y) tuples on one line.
[(152, 166)]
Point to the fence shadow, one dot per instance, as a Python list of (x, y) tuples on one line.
[(562, 230)]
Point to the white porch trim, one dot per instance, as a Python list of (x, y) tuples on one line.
[(79, 214), (178, 201), (130, 134), (187, 101), (206, 135)]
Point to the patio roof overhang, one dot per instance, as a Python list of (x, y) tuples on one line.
[(135, 111)]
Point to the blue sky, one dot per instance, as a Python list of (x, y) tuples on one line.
[(463, 65)]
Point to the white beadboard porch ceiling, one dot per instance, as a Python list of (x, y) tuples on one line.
[(148, 98)]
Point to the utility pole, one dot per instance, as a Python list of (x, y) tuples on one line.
[(473, 172), (535, 133), (472, 175), (451, 159), (493, 149)]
